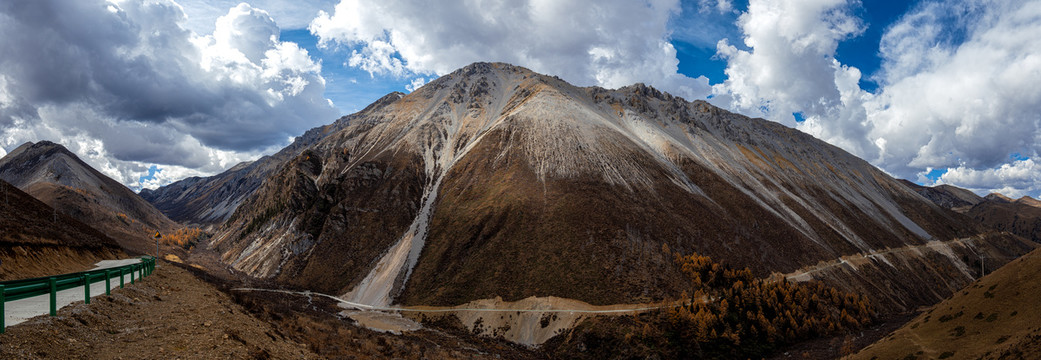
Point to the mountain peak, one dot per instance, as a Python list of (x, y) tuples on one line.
[(1026, 200), (998, 197), (554, 176), (56, 176)]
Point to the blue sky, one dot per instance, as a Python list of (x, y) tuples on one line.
[(932, 91)]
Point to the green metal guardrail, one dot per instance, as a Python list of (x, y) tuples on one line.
[(26, 288)]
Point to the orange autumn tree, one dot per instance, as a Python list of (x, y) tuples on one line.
[(732, 313), (185, 238)]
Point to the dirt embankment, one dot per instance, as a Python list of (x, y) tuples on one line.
[(23, 261), (182, 312), (170, 314)]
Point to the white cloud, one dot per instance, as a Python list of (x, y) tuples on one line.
[(958, 84), (606, 43), (1015, 179), (715, 6), (790, 65), (124, 85), (415, 84), (288, 14), (961, 104)]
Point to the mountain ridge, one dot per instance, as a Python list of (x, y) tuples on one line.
[(421, 201), (53, 174), (209, 201)]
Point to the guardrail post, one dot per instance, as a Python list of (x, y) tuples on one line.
[(54, 296), (3, 314), (86, 288), (108, 282), (120, 278)]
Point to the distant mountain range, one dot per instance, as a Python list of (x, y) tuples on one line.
[(497, 181), (1020, 216)]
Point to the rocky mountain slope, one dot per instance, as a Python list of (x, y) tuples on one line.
[(37, 241), (498, 181), (1020, 216), (208, 201), (947, 196), (56, 176)]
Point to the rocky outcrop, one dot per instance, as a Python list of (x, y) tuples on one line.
[(209, 201)]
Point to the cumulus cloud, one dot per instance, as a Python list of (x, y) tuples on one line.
[(288, 14), (607, 43), (1015, 179), (967, 103), (957, 85), (125, 85), (790, 67)]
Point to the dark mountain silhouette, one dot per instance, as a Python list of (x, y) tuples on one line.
[(56, 176), (36, 240)]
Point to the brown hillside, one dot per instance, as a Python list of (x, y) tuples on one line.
[(37, 241), (59, 178), (993, 318), (209, 201), (1020, 217), (497, 181)]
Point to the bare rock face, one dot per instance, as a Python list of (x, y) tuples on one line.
[(211, 200), (497, 181), (56, 176)]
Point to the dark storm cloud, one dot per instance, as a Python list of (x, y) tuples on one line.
[(130, 79)]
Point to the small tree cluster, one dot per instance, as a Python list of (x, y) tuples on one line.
[(732, 313), (186, 238)]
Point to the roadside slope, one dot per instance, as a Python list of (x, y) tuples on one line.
[(181, 312)]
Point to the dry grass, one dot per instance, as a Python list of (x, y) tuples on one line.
[(995, 317)]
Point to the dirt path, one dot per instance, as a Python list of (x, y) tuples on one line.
[(806, 273), (529, 321)]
